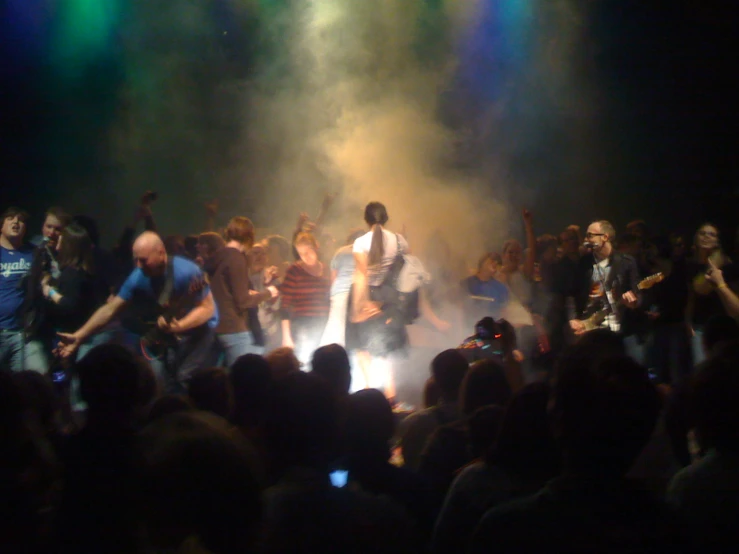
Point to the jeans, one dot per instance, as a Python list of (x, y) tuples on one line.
[(236, 345), (335, 331), (194, 351), (17, 356), (635, 348), (699, 355)]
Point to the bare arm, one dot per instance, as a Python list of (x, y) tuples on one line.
[(729, 299), (198, 316), (427, 311), (287, 338), (101, 317)]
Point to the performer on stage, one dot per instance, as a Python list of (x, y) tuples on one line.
[(158, 283), (380, 326)]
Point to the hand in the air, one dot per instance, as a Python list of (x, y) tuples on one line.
[(714, 275), (287, 342), (68, 345), (528, 217)]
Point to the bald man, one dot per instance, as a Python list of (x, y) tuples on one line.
[(143, 289)]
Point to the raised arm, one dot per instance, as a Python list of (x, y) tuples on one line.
[(728, 298)]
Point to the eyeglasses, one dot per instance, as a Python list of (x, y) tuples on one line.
[(591, 235)]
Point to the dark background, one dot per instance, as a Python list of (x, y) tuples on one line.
[(667, 118)]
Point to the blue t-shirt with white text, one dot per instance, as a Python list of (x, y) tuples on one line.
[(140, 288), (14, 265), (495, 293)]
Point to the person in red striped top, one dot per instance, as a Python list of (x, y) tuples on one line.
[(305, 299)]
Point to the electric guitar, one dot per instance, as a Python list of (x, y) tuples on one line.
[(154, 341), (597, 318)]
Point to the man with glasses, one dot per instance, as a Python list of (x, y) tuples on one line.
[(607, 283)]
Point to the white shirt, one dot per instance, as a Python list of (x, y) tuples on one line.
[(362, 245), (601, 271)]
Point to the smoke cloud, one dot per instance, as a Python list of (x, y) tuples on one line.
[(357, 113)]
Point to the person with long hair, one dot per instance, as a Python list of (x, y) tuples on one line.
[(380, 329), (704, 301), (75, 294), (305, 299)]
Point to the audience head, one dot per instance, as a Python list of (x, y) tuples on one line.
[(331, 363), (375, 213), (307, 247), (301, 423), (603, 412), (484, 425), (448, 369), (488, 265), (174, 245), (14, 225), (240, 229), (169, 404), (210, 390), (55, 221), (719, 329), (74, 248), (40, 397), (369, 424), (112, 383), (638, 228), (707, 238), (257, 257), (191, 247), (209, 243), (278, 249), (251, 381), (485, 384), (546, 249), (149, 254), (524, 446), (714, 393), (431, 393), (598, 343), (283, 362), (354, 234), (199, 478), (512, 253), (91, 226), (28, 476), (569, 242)]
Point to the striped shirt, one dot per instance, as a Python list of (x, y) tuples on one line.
[(303, 294)]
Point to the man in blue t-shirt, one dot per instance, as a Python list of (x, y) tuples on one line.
[(16, 259), (486, 295), (160, 283)]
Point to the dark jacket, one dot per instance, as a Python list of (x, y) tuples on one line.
[(228, 272), (623, 277)]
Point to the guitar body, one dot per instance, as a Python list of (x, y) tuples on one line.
[(595, 320), (154, 341)]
